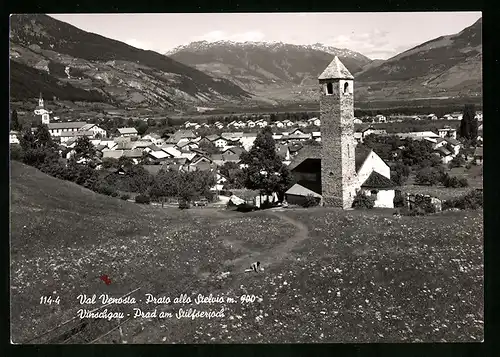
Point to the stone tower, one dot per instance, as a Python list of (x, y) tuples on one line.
[(338, 168), (40, 100)]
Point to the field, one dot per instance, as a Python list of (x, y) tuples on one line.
[(330, 275)]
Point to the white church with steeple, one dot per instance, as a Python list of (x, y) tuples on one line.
[(40, 110)]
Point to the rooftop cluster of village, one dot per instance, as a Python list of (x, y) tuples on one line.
[(184, 149)]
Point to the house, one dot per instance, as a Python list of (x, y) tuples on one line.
[(140, 144), (445, 154), (448, 117), (301, 124), (447, 132), (287, 123), (314, 121), (65, 136), (261, 123), (234, 150), (251, 124), (57, 129), (180, 135), (380, 119), (454, 144), (188, 124), (232, 124), (432, 117), (418, 135), (220, 142), (298, 137), (381, 189), (154, 138), (358, 121), (478, 155), (306, 168), (98, 132), (159, 155), (219, 125), (127, 132), (13, 137), (298, 193), (277, 137), (316, 135), (279, 124)]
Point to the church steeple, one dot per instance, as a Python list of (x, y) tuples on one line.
[(40, 100)]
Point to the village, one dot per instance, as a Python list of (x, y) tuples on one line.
[(202, 146)]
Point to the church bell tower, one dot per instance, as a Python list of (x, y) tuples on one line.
[(338, 169)]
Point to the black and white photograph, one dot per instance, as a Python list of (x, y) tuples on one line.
[(246, 178)]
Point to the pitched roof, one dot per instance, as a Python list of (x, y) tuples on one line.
[(87, 127), (68, 125), (443, 150), (159, 154), (132, 153), (307, 152), (452, 141), (115, 154), (360, 155), (376, 180), (336, 70), (127, 130), (237, 150), (300, 190)]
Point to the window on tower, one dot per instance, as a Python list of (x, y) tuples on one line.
[(329, 88), (346, 88)]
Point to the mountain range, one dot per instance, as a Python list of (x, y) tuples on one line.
[(73, 60), (60, 60)]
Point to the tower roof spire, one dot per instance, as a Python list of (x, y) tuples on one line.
[(336, 70)]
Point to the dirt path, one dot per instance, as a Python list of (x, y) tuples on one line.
[(269, 257)]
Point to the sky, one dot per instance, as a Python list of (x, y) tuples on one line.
[(377, 35)]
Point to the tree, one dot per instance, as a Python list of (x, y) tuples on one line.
[(167, 132), (400, 173), (85, 150), (428, 176), (14, 121), (38, 147), (142, 127), (130, 122), (468, 124), (264, 170)]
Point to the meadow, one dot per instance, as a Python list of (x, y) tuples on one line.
[(329, 275)]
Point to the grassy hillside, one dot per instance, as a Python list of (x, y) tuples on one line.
[(28, 83), (330, 275)]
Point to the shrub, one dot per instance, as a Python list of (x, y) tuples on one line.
[(310, 201), (16, 152), (450, 181), (184, 204), (105, 189), (245, 207), (399, 199), (125, 197), (417, 211), (471, 200), (463, 182), (114, 194), (428, 176), (362, 201), (143, 199)]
